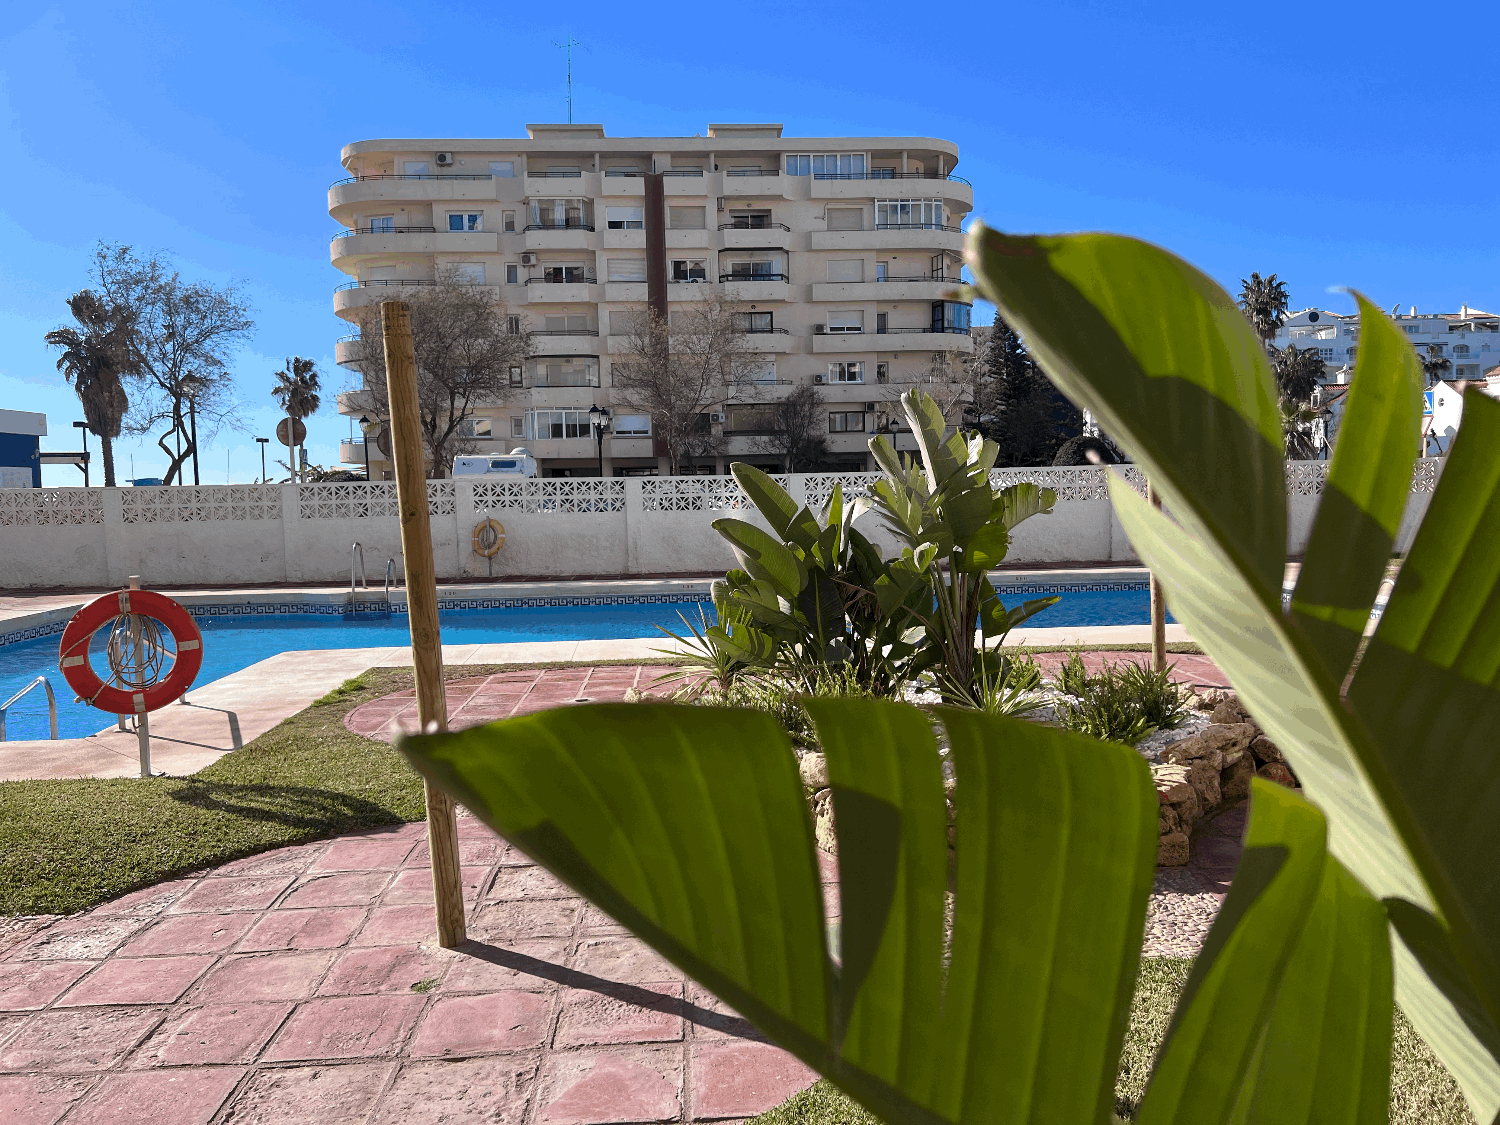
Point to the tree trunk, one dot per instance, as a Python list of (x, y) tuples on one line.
[(107, 452)]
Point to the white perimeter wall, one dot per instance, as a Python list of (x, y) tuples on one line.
[(81, 537)]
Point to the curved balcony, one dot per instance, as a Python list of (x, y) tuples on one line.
[(363, 242), (887, 289), (456, 187), (361, 294), (891, 237), (872, 185), (892, 340)]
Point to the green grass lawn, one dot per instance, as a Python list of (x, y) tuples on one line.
[(1422, 1091)]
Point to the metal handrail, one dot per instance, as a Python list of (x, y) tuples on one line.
[(384, 230), (587, 279), (51, 705), (557, 226), (553, 175), (390, 566), (683, 172), (357, 549), (761, 226), (918, 226), (753, 172), (929, 330), (415, 176), (939, 278), (881, 174), (621, 172), (723, 277), (762, 331), (565, 331)]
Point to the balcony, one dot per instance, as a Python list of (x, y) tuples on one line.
[(353, 453), (869, 185), (455, 187), (743, 183), (349, 245), (754, 226), (891, 236), (558, 226), (755, 287), (573, 236), (358, 294), (561, 290), (885, 289), (892, 340)]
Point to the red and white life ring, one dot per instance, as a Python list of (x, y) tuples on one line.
[(73, 652)]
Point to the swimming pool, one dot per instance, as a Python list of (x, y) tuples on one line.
[(233, 643)]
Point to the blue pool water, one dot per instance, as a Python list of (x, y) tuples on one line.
[(233, 643)]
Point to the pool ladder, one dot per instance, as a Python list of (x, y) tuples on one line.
[(51, 705), (357, 563)]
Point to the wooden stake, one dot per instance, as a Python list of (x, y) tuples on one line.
[(1158, 606), (422, 606)]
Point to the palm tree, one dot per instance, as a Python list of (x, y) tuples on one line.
[(1435, 364), (1264, 302), (1296, 430), (1296, 372), (297, 386), (94, 356)]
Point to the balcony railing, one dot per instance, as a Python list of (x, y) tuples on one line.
[(753, 172), (927, 277), (553, 175), (920, 331), (918, 226), (563, 380), (565, 332), (763, 331), (398, 281), (385, 230), (415, 176), (754, 226), (622, 172), (683, 172), (582, 279), (723, 277), (559, 226), (883, 174)]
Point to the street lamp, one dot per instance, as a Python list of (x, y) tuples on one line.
[(367, 428), (83, 432), (262, 443), (599, 419)]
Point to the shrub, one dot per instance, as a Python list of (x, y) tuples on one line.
[(1123, 702)]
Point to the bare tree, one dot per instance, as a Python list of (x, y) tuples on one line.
[(946, 378), (464, 355), (678, 370), (95, 356), (801, 431), (180, 339)]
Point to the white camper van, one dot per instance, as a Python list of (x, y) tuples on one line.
[(517, 463)]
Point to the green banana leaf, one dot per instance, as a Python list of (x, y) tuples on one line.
[(1403, 762)]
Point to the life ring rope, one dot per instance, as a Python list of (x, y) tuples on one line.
[(489, 537), (73, 652)]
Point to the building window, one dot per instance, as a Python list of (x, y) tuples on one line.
[(751, 271), (414, 168), (690, 269), (749, 220), (882, 372), (508, 221), (465, 220), (517, 376), (686, 218), (756, 322), (848, 322), (382, 224), (750, 419), (503, 169), (626, 269), (831, 164), (882, 270), (468, 273), (632, 425), (904, 214), (561, 214), (882, 322), (846, 372), (1326, 353), (625, 218), (563, 325), (566, 372), (475, 428), (564, 275), (846, 218), (1349, 352), (953, 316), (557, 424), (1461, 349), (518, 427), (846, 422), (852, 269), (512, 273)]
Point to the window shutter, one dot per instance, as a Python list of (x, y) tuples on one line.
[(686, 218), (846, 218), (627, 269), (622, 322), (850, 270)]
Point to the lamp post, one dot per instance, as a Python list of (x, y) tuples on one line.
[(367, 428), (83, 432), (261, 441), (599, 419)]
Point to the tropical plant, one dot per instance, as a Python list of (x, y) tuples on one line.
[(1122, 702), (1263, 300), (689, 824), (1435, 365), (1296, 430), (94, 357), (296, 389), (1007, 686), (1297, 371)]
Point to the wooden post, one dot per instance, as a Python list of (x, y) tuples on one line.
[(1158, 606), (422, 606)]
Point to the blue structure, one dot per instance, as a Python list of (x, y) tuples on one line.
[(21, 432)]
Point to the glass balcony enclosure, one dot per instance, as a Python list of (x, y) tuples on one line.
[(544, 424), (564, 371), (561, 214), (903, 214)]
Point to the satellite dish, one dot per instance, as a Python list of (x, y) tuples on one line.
[(300, 434)]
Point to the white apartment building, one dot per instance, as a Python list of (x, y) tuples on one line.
[(843, 252)]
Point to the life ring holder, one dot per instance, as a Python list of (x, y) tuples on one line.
[(492, 530), (73, 652)]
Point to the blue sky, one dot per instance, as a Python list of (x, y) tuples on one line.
[(1330, 144)]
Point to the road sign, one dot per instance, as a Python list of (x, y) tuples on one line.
[(1427, 404), (301, 432)]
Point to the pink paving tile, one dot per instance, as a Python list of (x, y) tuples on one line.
[(86, 938), (184, 1096), (189, 933), (492, 1091), (310, 1095), (535, 919), (263, 976), (281, 861), (597, 923), (526, 883), (245, 892), (38, 1099), (646, 1013), (708, 1017), (212, 1034), (349, 1027), (29, 985), (480, 1025), (385, 968), (397, 925), (414, 885), (624, 959), (147, 901), (138, 980), (628, 1084), (353, 888), (303, 929), (363, 855), (77, 1040), (738, 1079), (478, 967)]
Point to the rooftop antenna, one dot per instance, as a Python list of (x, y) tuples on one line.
[(567, 45)]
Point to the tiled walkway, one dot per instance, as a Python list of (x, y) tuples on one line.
[(304, 986)]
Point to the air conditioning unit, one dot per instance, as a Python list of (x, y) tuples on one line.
[(716, 418), (528, 259), (444, 159), (819, 329), (721, 203), (817, 378)]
